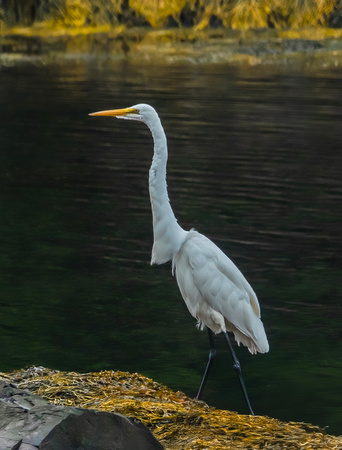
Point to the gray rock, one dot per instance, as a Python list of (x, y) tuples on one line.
[(100, 431), (28, 422)]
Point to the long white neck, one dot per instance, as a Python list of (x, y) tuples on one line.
[(168, 236)]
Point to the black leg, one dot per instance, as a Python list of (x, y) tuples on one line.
[(237, 369), (212, 354)]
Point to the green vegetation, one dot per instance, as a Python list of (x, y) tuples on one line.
[(199, 14)]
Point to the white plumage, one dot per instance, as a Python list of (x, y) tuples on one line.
[(213, 288), (216, 292)]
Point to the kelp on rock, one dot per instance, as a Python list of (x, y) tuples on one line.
[(178, 421)]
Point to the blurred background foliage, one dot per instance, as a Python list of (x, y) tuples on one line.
[(199, 14)]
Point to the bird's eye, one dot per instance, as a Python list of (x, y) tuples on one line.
[(134, 111)]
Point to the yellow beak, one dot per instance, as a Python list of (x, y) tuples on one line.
[(116, 112)]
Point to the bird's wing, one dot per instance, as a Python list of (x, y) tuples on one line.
[(223, 286)]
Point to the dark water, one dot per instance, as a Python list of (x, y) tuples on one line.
[(255, 164)]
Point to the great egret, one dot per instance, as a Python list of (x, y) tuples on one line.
[(213, 288)]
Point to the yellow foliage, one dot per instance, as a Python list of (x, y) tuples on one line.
[(236, 14), (79, 13), (310, 12), (205, 9), (76, 12), (157, 11), (247, 14)]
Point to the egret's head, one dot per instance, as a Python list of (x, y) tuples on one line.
[(141, 112)]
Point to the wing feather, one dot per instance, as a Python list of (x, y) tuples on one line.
[(223, 288)]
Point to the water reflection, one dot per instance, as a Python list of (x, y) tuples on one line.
[(255, 164)]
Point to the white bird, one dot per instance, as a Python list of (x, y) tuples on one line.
[(213, 288)]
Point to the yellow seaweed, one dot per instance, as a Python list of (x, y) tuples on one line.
[(235, 14), (178, 421)]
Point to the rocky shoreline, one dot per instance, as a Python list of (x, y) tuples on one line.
[(301, 48), (176, 421)]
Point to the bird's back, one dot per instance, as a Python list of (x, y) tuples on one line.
[(216, 292)]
